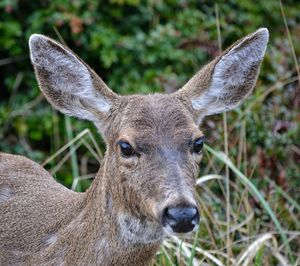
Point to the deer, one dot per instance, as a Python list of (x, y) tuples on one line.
[(145, 187)]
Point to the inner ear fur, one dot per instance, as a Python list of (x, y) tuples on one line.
[(68, 83), (223, 83)]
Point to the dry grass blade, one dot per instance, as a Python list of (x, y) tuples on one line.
[(290, 40), (255, 192), (228, 222), (240, 225), (165, 252), (26, 107), (10, 60), (187, 246), (251, 251), (206, 178), (66, 146), (283, 261), (71, 142), (91, 150), (61, 162)]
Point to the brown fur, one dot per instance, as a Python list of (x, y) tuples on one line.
[(118, 220)]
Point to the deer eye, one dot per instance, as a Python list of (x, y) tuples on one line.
[(126, 149), (198, 145)]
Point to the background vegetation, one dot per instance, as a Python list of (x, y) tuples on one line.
[(150, 46)]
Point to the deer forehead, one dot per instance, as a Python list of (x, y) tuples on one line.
[(156, 118)]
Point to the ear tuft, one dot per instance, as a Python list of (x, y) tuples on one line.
[(263, 33), (255, 45), (35, 40), (40, 49)]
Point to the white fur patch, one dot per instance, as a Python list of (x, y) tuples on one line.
[(67, 74), (241, 59), (59, 257), (101, 248), (101, 245), (5, 193), (19, 253), (50, 239), (135, 231)]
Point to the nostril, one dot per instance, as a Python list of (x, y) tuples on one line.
[(181, 213), (181, 219)]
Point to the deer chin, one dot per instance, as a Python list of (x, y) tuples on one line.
[(136, 231), (170, 232)]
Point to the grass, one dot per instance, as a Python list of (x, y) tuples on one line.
[(228, 238)]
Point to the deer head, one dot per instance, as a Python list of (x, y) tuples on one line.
[(154, 143)]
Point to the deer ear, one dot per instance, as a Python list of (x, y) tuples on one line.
[(67, 82), (226, 81)]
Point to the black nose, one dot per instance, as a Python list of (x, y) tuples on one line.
[(181, 219)]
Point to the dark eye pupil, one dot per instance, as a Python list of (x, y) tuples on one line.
[(126, 149), (198, 145)]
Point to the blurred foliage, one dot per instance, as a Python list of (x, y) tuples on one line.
[(150, 46)]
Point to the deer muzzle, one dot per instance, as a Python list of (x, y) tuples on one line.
[(180, 219)]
